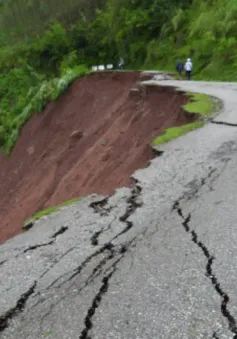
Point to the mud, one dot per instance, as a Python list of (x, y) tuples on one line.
[(89, 141)]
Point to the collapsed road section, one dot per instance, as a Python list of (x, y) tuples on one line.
[(91, 140), (124, 266)]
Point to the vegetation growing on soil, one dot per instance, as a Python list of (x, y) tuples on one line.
[(51, 210), (198, 104), (44, 41), (176, 132), (21, 102)]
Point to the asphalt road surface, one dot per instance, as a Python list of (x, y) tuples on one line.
[(155, 262)]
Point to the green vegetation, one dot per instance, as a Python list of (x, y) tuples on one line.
[(24, 101), (200, 104), (176, 132), (50, 210), (44, 45), (205, 31)]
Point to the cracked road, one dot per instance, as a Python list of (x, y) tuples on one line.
[(155, 261)]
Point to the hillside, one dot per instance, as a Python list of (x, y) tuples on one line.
[(45, 45), (143, 241), (91, 140), (206, 31), (157, 260), (151, 33)]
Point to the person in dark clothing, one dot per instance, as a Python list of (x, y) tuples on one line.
[(179, 67)]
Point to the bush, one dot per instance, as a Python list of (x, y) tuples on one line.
[(69, 61), (33, 102)]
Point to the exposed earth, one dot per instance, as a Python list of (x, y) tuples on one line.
[(153, 261), (89, 141)]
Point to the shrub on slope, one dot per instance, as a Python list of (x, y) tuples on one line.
[(23, 99)]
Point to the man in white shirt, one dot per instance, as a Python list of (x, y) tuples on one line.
[(188, 68), (121, 63)]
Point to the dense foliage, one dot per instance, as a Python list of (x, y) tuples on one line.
[(206, 31), (44, 41)]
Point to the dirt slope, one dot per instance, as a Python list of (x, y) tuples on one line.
[(112, 128)]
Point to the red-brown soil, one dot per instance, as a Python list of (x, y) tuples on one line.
[(115, 127)]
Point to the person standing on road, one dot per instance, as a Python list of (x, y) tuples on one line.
[(121, 63), (188, 68), (179, 67)]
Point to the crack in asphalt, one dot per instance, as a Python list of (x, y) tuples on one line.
[(95, 237), (132, 205), (92, 276), (112, 250), (106, 247), (96, 301), (223, 123), (101, 207), (196, 186), (34, 247), (209, 270), (62, 230), (95, 304), (20, 305), (95, 273), (55, 263)]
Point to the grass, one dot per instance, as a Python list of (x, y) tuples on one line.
[(31, 100), (200, 104), (50, 210), (176, 132)]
